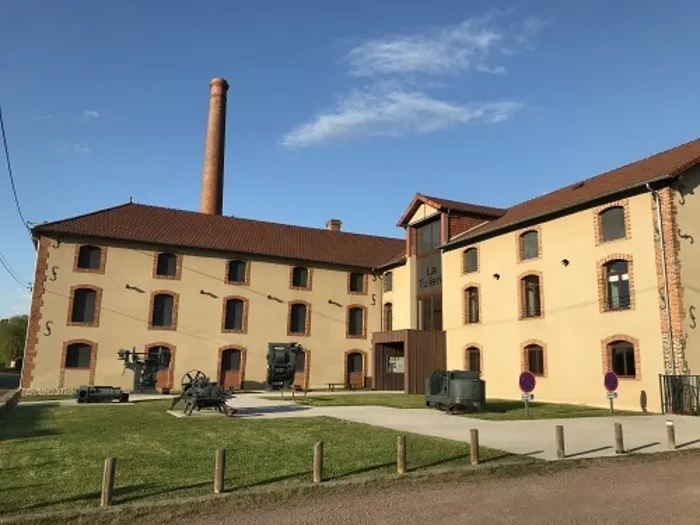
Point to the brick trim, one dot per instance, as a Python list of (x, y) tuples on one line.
[(346, 375), (98, 305), (607, 355), (465, 356), (246, 282), (171, 366), (597, 223), (178, 268), (523, 355), (364, 283), (91, 366), (465, 303), (244, 324), (309, 279), (241, 370), (518, 236), (364, 321), (390, 306), (521, 295), (603, 281), (464, 260), (35, 312), (176, 309), (307, 322), (103, 259), (306, 372)]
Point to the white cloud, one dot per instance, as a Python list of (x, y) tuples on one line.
[(79, 148), (90, 113)]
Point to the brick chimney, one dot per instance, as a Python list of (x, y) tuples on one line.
[(334, 225), (212, 199)]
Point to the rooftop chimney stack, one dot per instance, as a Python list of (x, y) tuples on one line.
[(212, 200), (334, 225)]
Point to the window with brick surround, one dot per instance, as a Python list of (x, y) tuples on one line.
[(529, 245), (617, 285), (473, 359), (78, 355), (622, 359), (355, 321), (300, 277), (612, 224), (89, 257), (236, 272), (163, 310), (534, 359), (234, 315), (354, 363), (388, 282), (297, 318), (357, 282), (166, 265), (388, 317), (531, 296), (471, 301), (84, 306), (471, 260)]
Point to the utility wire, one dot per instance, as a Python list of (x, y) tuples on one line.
[(13, 274), (9, 171)]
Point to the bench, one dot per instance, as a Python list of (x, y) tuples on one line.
[(332, 386)]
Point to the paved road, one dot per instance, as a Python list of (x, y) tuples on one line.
[(612, 493)]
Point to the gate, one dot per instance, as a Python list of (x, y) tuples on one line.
[(680, 394)]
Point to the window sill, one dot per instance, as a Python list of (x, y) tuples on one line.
[(360, 336), (350, 292), (298, 334), (237, 283), (234, 331), (167, 277), (89, 270), (300, 288), (94, 324), (168, 328)]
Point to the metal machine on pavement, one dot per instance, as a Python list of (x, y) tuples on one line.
[(455, 391), (199, 392)]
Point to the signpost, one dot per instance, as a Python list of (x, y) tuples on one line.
[(527, 385), (611, 383)]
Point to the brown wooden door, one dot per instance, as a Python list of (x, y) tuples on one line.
[(163, 374), (300, 379), (355, 368), (394, 364), (230, 369)]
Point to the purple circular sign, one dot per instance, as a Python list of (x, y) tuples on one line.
[(527, 382), (611, 382)]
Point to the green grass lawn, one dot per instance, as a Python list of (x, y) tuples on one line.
[(47, 397), (52, 457), (496, 409)]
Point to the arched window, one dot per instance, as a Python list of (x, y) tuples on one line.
[(84, 306), (388, 317), (166, 265), (612, 223), (473, 359), (532, 296), (163, 312), (622, 359), (89, 257), (471, 301), (234, 315), (297, 319), (534, 359), (471, 260), (529, 245), (78, 355), (388, 281)]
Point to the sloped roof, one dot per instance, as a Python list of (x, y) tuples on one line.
[(663, 165), (171, 227), (441, 204)]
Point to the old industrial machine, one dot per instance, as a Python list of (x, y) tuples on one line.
[(455, 391), (199, 392), (145, 366), (101, 394), (281, 364)]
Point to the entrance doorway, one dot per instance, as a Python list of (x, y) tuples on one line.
[(355, 370), (391, 366), (231, 368), (163, 374)]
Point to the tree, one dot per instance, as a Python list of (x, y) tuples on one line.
[(13, 332)]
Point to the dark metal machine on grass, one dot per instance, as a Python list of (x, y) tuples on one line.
[(145, 366), (455, 391), (281, 364), (101, 394), (199, 392)]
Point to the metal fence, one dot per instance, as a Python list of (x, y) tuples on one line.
[(680, 394)]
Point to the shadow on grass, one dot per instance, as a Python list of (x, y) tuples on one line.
[(277, 409), (88, 496), (24, 422)]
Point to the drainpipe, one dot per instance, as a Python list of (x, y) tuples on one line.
[(664, 272)]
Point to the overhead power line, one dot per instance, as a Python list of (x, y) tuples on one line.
[(5, 264), (9, 171)]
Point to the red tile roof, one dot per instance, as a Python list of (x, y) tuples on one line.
[(664, 165), (166, 226), (446, 204)]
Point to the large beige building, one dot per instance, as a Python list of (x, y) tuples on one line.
[(599, 276)]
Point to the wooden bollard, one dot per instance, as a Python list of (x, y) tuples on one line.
[(219, 471), (108, 476), (401, 454), (318, 462), (671, 435), (619, 443), (474, 447), (561, 451)]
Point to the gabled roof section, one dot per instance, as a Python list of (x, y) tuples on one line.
[(441, 204), (661, 166), (171, 227)]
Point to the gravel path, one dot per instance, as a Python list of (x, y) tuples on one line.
[(614, 493)]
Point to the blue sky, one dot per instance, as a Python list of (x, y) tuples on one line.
[(336, 109)]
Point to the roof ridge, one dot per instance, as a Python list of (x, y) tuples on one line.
[(83, 215)]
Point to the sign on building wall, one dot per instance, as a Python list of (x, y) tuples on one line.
[(429, 274), (396, 365)]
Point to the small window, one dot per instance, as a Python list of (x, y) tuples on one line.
[(617, 279), (471, 260), (388, 317), (388, 282), (532, 299), (534, 355), (89, 258), (300, 277), (529, 246), (622, 359), (472, 304), (473, 359), (234, 315), (84, 306), (357, 282), (612, 224), (163, 306), (355, 321), (297, 318), (236, 272), (166, 265), (78, 355)]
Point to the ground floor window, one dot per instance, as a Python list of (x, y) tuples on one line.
[(622, 358), (473, 359)]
